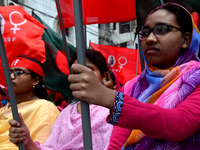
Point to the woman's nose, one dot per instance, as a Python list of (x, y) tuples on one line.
[(151, 38), (12, 75)]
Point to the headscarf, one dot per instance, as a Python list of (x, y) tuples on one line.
[(28, 63), (118, 87), (155, 85)]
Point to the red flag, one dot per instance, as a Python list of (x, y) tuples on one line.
[(22, 34), (98, 11), (123, 61)]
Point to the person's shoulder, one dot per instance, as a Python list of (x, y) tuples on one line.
[(45, 106), (43, 103)]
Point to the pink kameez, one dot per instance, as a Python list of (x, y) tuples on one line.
[(67, 130)]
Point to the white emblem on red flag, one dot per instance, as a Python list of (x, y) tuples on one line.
[(122, 61), (16, 24)]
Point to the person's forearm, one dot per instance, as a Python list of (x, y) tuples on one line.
[(109, 99)]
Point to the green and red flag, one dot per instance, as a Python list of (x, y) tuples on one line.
[(98, 11), (56, 66), (125, 62), (22, 34)]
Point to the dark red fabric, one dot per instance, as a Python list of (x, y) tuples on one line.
[(121, 60), (22, 34), (98, 11)]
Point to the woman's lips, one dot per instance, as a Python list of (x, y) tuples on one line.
[(150, 50)]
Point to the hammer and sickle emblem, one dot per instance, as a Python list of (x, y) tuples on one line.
[(15, 24)]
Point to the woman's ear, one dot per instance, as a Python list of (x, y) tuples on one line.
[(36, 80), (187, 38), (104, 77)]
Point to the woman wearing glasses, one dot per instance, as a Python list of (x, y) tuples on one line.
[(39, 114), (160, 108)]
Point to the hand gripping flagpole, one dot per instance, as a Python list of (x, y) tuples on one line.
[(85, 113), (11, 94)]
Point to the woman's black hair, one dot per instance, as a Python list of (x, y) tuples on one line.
[(95, 57), (182, 16), (40, 90)]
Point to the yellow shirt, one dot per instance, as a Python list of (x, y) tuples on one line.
[(39, 116)]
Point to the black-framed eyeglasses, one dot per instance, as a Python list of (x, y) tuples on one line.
[(17, 73), (158, 31)]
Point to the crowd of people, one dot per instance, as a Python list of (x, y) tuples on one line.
[(158, 109)]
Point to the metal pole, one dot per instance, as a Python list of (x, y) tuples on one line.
[(11, 94), (64, 36), (141, 56), (85, 113), (84, 36)]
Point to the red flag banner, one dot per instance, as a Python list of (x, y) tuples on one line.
[(98, 11), (22, 34), (121, 60)]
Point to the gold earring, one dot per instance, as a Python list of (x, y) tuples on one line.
[(33, 86)]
